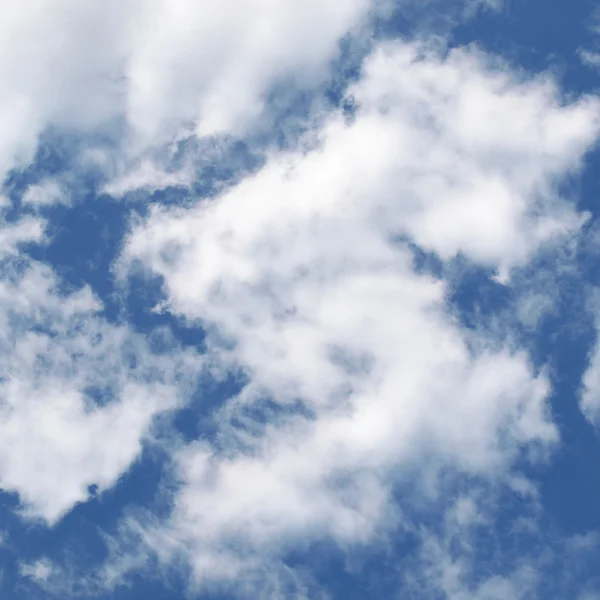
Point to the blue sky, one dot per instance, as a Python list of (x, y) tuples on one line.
[(300, 300)]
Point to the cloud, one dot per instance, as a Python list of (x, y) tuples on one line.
[(303, 278), (147, 176), (589, 58), (45, 193), (588, 53), (79, 394), (590, 390), (158, 67), (40, 571), (360, 383)]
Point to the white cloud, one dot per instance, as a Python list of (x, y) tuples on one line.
[(12, 236), (158, 66), (212, 63), (40, 571), (56, 352), (589, 58), (301, 273), (147, 175), (47, 192), (479, 151), (590, 396)]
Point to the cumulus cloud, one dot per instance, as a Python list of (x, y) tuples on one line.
[(157, 66), (79, 394), (359, 381), (303, 275)]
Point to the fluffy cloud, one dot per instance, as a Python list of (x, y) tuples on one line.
[(359, 381), (159, 67), (79, 394), (303, 275)]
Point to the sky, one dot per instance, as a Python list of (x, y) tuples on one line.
[(300, 300)]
